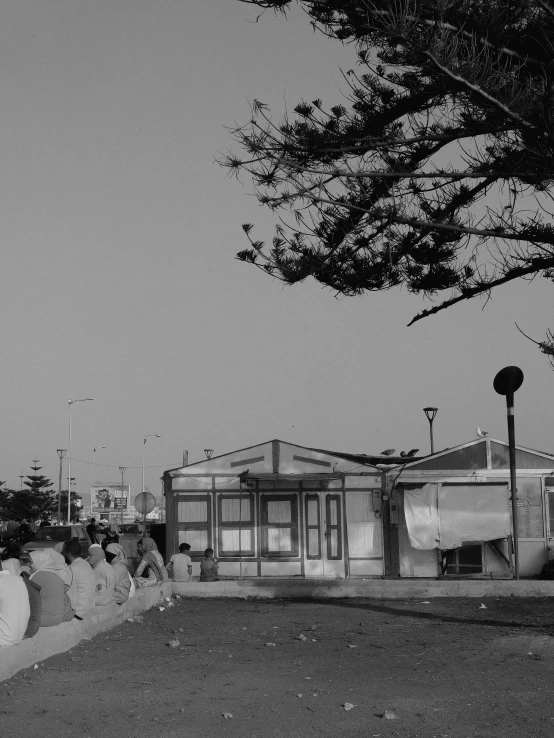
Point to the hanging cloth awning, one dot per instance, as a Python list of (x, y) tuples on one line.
[(442, 515)]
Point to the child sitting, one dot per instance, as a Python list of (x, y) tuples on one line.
[(209, 567), (180, 565)]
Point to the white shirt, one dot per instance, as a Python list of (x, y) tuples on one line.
[(180, 564), (14, 609)]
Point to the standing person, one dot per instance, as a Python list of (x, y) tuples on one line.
[(83, 588), (12, 528), (116, 558), (180, 565), (25, 533), (91, 530), (208, 567), (53, 576), (14, 609), (151, 570), (103, 574)]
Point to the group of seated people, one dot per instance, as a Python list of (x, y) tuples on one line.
[(60, 585)]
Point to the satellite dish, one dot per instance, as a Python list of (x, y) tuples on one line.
[(145, 502), (508, 380)]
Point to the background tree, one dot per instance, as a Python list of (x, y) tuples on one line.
[(4, 495), (434, 173), (35, 502), (75, 508)]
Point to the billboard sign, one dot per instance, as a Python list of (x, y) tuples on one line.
[(109, 498)]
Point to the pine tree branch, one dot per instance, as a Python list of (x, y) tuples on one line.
[(533, 267)]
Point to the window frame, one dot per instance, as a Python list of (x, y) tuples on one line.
[(293, 552), (234, 525), (207, 526), (337, 526)]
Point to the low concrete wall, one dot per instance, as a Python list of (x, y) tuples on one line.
[(378, 588), (60, 638)]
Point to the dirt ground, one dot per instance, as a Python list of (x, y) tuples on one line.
[(444, 669)]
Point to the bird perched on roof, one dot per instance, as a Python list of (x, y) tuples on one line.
[(388, 452), (412, 452), (481, 433)]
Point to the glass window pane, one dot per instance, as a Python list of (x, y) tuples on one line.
[(529, 508), (551, 511), (311, 512), (278, 539), (333, 543), (333, 513), (231, 509), (230, 539), (279, 511), (198, 539), (313, 542), (192, 511)]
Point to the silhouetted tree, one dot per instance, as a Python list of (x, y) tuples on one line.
[(434, 173)]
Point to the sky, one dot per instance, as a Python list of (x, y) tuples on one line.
[(119, 282)]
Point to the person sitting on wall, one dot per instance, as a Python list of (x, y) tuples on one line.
[(103, 574), (208, 567), (151, 570), (14, 608), (83, 588), (10, 558), (53, 576), (180, 565), (115, 556)]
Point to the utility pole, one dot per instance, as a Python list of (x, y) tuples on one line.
[(122, 470), (61, 454)]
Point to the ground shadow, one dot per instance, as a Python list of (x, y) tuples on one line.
[(409, 612)]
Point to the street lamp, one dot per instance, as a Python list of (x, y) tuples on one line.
[(430, 412), (507, 382), (61, 454), (94, 450), (148, 435), (70, 403)]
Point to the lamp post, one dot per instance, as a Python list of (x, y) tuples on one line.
[(61, 454), (507, 382), (430, 412), (94, 450), (148, 435), (70, 403)]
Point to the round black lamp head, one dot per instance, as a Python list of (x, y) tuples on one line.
[(508, 380)]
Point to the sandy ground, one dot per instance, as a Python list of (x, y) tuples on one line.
[(445, 669)]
